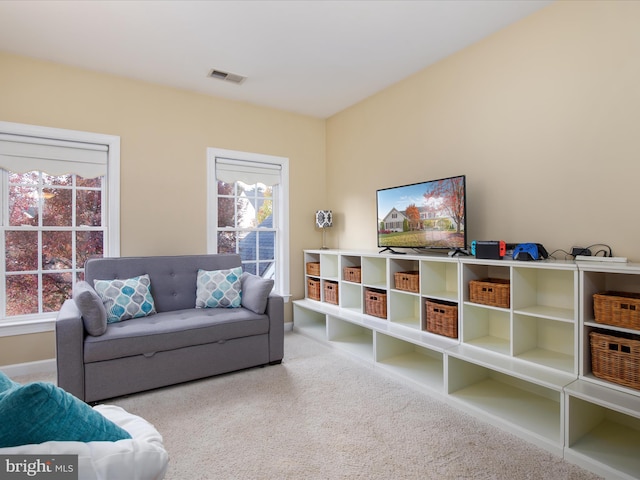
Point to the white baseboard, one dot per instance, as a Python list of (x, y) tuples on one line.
[(288, 326), (40, 366)]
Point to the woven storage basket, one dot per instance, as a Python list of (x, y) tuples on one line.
[(490, 291), (375, 303), (616, 359), (313, 268), (620, 309), (442, 318), (408, 281), (353, 274), (331, 292), (313, 288)]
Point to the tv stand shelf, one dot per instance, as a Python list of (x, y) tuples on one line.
[(525, 368)]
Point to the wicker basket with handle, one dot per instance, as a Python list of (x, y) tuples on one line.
[(621, 309), (616, 358), (313, 288), (313, 268), (490, 291), (353, 274), (442, 318), (408, 281), (375, 303), (331, 292)]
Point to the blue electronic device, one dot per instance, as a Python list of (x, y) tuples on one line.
[(529, 251)]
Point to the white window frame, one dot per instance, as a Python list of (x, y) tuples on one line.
[(282, 286), (44, 323)]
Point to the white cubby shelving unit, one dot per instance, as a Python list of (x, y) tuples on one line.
[(525, 367)]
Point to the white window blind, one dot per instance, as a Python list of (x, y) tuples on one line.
[(56, 157), (250, 173)]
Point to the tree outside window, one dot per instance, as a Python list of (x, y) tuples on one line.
[(54, 224)]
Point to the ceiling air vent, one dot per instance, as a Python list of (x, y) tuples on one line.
[(226, 76)]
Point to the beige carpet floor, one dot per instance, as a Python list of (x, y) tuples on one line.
[(324, 415)]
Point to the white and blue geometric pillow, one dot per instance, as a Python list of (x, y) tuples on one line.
[(125, 299), (219, 288)]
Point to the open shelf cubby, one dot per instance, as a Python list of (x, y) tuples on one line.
[(374, 272), (545, 292), (486, 327), (329, 266), (603, 430), (421, 365), (529, 409), (351, 297), (353, 338), (404, 309), (439, 279), (310, 322), (545, 342)]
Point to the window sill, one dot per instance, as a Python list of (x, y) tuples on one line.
[(10, 328), (285, 296)]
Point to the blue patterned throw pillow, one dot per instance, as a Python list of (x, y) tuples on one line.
[(125, 299), (219, 288)]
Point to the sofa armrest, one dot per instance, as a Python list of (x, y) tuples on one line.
[(70, 349), (275, 311)]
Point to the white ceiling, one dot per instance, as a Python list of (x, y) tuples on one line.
[(307, 56)]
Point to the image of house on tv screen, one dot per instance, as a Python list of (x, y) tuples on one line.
[(423, 215)]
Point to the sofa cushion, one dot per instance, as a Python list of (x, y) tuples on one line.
[(219, 288), (125, 299), (40, 412), (172, 330), (255, 292), (94, 314)]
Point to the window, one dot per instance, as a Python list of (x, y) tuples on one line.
[(58, 207), (248, 212)]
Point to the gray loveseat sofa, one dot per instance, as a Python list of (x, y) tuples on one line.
[(176, 342)]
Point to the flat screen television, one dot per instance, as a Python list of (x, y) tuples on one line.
[(424, 215)]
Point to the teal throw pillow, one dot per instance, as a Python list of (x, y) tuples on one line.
[(41, 412), (6, 383), (125, 299), (219, 288)]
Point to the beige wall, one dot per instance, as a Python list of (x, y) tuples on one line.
[(164, 135), (27, 348), (543, 118)]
